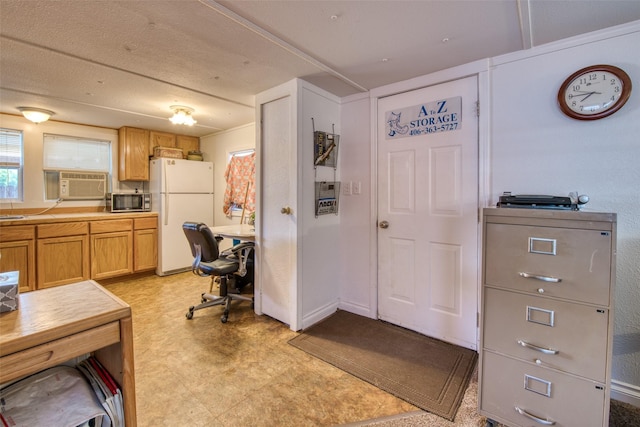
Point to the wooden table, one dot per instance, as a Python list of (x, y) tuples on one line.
[(55, 325)]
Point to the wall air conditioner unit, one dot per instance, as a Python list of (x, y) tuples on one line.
[(82, 185)]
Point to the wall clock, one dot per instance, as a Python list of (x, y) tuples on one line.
[(594, 92)]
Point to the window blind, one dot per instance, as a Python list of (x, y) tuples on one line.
[(68, 153), (10, 148)]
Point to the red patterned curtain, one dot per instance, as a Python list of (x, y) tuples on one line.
[(240, 177)]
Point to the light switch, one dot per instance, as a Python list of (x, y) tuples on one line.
[(356, 187), (346, 188)]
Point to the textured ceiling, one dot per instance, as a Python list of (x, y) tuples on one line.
[(123, 63)]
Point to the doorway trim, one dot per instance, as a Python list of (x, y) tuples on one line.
[(482, 70)]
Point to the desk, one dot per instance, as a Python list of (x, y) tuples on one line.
[(237, 231), (57, 324)]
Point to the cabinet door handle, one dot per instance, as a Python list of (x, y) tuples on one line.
[(544, 421), (537, 348), (538, 277)]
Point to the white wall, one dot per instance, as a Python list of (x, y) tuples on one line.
[(217, 148), (535, 149), (33, 144), (528, 146), (320, 236), (357, 245)]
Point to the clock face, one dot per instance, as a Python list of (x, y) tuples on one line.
[(594, 92)]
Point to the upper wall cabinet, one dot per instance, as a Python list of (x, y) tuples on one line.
[(133, 154), (162, 139), (187, 143), (135, 146)]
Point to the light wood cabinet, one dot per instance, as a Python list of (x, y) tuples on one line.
[(163, 139), (547, 318), (145, 244), (135, 146), (111, 248), (133, 154), (62, 253), (51, 252), (17, 253), (55, 325), (187, 143)]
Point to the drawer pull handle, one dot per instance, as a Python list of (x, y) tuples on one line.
[(538, 277), (537, 348), (544, 421)]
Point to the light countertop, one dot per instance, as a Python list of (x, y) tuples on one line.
[(64, 217)]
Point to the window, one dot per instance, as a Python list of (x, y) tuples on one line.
[(65, 153), (240, 194), (11, 162)]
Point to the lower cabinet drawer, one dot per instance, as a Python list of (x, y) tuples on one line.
[(525, 394), (55, 352), (556, 334)]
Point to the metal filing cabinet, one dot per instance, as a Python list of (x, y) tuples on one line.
[(547, 318)]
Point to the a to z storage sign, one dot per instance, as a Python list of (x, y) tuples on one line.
[(437, 116)]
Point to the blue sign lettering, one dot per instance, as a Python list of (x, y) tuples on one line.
[(438, 116)]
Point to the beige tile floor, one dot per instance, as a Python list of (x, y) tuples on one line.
[(201, 372)]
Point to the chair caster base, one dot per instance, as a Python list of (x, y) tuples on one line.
[(189, 314)]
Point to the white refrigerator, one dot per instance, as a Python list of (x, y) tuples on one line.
[(181, 190)]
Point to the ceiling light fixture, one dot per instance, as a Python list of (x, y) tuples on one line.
[(182, 115), (36, 115)]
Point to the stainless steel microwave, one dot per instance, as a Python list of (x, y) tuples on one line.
[(129, 202)]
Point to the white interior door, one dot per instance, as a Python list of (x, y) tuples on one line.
[(275, 230), (428, 196)]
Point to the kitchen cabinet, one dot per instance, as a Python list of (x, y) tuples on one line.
[(187, 143), (135, 146), (163, 139), (62, 253), (145, 244), (547, 318), (133, 154), (111, 248), (53, 250), (17, 253), (56, 325)]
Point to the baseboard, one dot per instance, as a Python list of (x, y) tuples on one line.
[(624, 392), (358, 309), (321, 313)]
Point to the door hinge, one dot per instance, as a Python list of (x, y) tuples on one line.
[(478, 108)]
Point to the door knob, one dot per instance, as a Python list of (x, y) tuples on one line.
[(286, 210), (384, 224)]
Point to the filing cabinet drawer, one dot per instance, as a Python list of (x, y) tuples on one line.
[(534, 328), (559, 262), (542, 393)]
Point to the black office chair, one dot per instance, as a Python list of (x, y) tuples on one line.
[(229, 266)]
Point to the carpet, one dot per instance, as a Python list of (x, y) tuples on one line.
[(430, 374)]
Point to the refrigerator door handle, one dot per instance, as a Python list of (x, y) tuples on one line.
[(165, 180), (166, 209), (166, 193)]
